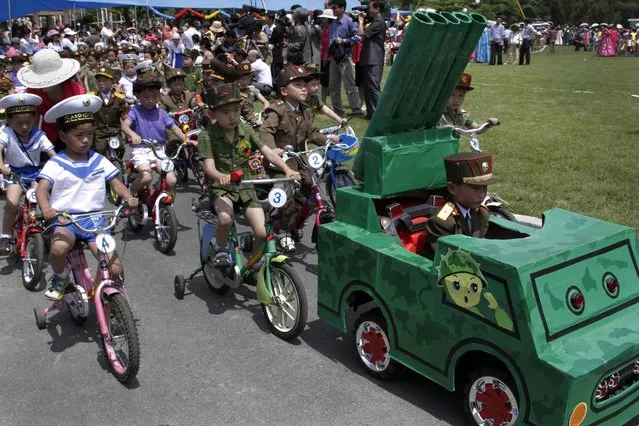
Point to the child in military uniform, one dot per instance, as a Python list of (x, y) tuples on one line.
[(314, 102), (454, 114), (114, 110), (469, 175), (6, 84), (249, 92), (191, 73), (225, 146), (289, 122), (176, 100)]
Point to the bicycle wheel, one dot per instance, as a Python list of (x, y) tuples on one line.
[(212, 274), (286, 316), (343, 178), (122, 345), (166, 233), (33, 261), (112, 195)]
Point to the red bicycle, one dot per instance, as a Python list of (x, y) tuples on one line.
[(156, 200), (191, 121), (27, 233)]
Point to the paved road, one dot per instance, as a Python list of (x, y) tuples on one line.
[(207, 359)]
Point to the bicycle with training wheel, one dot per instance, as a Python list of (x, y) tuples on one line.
[(117, 332), (278, 287), (495, 204), (30, 247), (335, 173), (156, 200), (113, 156), (191, 122)]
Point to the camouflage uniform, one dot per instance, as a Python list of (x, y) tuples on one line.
[(457, 118), (172, 103), (465, 168), (315, 104)]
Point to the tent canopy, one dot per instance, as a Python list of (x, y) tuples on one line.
[(17, 8)]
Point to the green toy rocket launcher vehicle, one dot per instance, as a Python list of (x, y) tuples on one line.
[(532, 326)]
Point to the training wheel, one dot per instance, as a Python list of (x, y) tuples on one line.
[(41, 318), (179, 286)]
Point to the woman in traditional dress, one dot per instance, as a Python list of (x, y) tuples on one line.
[(608, 42)]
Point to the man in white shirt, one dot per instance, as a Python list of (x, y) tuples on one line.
[(528, 36), (496, 42), (106, 31), (262, 72), (187, 37)]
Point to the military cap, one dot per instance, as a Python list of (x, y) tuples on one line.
[(291, 73), (174, 73), (219, 70), (191, 53), (129, 57), (464, 82), (147, 80), (313, 70), (72, 111), (20, 103), (473, 168), (223, 94), (244, 68), (105, 72), (144, 67)]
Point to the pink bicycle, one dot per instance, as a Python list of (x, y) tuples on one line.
[(118, 335)]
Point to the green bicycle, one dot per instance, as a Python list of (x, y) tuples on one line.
[(278, 287)]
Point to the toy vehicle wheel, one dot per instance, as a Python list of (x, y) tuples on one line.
[(490, 397), (179, 286), (343, 178), (286, 316), (78, 310), (41, 319), (112, 195), (33, 261), (122, 346), (166, 234), (211, 274), (501, 212), (136, 219), (372, 345)]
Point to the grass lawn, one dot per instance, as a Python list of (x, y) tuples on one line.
[(567, 136)]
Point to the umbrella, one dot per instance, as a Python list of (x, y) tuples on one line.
[(594, 25), (583, 24)]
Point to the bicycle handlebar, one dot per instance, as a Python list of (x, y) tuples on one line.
[(153, 143), (479, 130), (73, 219)]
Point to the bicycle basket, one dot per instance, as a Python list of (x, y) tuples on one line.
[(347, 153)]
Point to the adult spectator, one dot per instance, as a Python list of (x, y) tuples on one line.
[(270, 24), (371, 59), (68, 42), (342, 35), (507, 34), (262, 72), (315, 33), (14, 49), (552, 39), (527, 37), (187, 36), (325, 19), (51, 78), (300, 49), (279, 38), (106, 32), (93, 37), (54, 44), (175, 51), (496, 42)]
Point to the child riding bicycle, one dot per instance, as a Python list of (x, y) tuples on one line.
[(21, 144), (226, 146), (77, 178)]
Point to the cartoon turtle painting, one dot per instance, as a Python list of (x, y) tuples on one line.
[(464, 283)]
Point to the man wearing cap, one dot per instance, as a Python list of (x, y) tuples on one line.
[(114, 110), (468, 175), (68, 42), (454, 114)]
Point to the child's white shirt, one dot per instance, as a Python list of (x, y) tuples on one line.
[(78, 186), (18, 154)]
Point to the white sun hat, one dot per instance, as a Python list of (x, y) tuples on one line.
[(328, 14), (47, 69)]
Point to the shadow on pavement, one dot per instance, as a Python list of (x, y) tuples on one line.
[(410, 386)]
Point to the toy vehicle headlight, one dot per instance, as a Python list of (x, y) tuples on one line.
[(114, 143), (167, 165)]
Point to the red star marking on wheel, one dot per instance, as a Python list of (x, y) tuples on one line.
[(374, 347), (495, 405)]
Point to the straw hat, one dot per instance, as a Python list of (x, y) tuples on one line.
[(217, 27), (47, 69), (328, 14)]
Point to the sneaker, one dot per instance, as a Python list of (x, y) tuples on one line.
[(222, 259), (287, 244), (56, 288), (6, 246)]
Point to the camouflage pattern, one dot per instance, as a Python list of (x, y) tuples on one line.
[(456, 118), (516, 309)]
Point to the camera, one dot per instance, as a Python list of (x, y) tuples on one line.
[(363, 6)]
